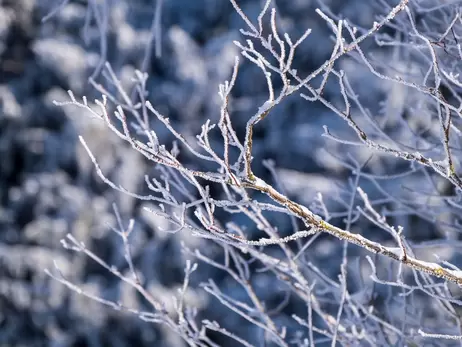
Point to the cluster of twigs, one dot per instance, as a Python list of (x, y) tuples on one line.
[(176, 194)]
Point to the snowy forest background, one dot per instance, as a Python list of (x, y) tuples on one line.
[(49, 186)]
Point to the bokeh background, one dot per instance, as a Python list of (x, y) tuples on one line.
[(48, 185)]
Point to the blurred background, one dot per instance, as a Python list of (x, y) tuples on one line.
[(49, 187)]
